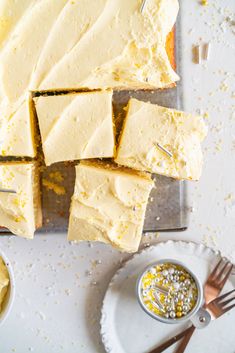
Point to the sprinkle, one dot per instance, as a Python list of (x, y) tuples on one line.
[(206, 51), (161, 289), (197, 54), (164, 149), (10, 191), (143, 6), (204, 2), (94, 283), (162, 164), (147, 245), (165, 289), (157, 302)]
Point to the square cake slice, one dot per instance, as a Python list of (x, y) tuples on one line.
[(109, 205), (161, 140), (20, 211), (76, 126)]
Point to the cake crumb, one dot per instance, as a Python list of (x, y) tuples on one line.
[(57, 176), (58, 189), (229, 197)]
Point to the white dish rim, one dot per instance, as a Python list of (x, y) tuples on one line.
[(8, 306)]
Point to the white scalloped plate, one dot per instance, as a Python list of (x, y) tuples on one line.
[(126, 328)]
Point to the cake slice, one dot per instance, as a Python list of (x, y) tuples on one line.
[(107, 44), (161, 140), (76, 126), (109, 205), (66, 45), (25, 26), (20, 212)]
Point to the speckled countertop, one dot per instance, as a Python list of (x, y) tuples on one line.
[(59, 287)]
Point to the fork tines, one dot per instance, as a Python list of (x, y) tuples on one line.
[(221, 275), (223, 304)]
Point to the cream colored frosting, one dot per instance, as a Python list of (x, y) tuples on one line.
[(181, 134), (27, 24), (109, 205), (76, 126), (4, 282), (64, 44), (17, 131), (112, 45), (17, 211)]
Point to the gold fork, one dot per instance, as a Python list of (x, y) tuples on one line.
[(212, 288), (215, 308)]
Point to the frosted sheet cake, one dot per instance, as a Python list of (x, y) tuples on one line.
[(109, 205), (162, 141), (20, 211), (76, 126), (63, 45)]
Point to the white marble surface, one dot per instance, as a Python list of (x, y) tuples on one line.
[(57, 308)]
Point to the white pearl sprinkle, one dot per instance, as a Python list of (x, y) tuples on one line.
[(171, 271), (176, 286), (165, 273)]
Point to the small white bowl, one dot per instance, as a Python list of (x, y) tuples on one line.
[(158, 317), (9, 298)]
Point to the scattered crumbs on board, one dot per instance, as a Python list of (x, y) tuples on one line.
[(57, 176), (57, 189)]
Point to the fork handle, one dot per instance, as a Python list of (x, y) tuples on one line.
[(185, 341), (171, 341)]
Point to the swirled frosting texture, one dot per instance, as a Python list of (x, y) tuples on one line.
[(181, 134), (109, 205), (66, 44), (76, 126)]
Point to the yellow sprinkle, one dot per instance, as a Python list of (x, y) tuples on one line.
[(204, 2), (206, 115), (19, 202), (19, 219), (229, 197)]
